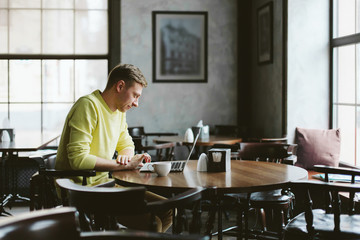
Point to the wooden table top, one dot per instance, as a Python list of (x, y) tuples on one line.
[(27, 141), (245, 176), (200, 142)]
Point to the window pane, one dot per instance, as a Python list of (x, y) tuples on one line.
[(54, 117), (91, 4), (357, 16), (345, 17), (4, 31), (335, 75), (3, 80), (58, 32), (90, 75), (25, 4), (58, 80), (347, 125), (4, 115), (358, 72), (346, 74), (4, 4), (58, 4), (357, 137), (25, 81), (91, 35), (29, 31), (25, 117)]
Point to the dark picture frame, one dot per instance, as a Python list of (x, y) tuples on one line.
[(179, 46), (265, 33)]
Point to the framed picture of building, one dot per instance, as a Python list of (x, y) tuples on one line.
[(265, 33), (179, 46)]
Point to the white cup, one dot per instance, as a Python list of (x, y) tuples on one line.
[(161, 168)]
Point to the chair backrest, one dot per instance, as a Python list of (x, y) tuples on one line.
[(101, 200), (42, 184), (234, 149), (329, 172), (139, 235), (137, 132), (62, 223), (54, 224), (334, 208), (271, 152), (50, 162), (103, 203), (164, 151)]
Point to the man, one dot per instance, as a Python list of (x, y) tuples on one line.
[(96, 126)]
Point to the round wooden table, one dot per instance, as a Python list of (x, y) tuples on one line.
[(245, 176), (200, 142)]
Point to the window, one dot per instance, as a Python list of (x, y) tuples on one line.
[(51, 53), (345, 56)]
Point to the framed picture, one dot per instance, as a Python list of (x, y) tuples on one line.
[(179, 46), (265, 33)]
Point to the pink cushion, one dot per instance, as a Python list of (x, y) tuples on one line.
[(316, 146)]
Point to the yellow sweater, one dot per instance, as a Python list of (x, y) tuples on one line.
[(91, 129)]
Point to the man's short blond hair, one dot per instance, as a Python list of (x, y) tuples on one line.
[(128, 73)]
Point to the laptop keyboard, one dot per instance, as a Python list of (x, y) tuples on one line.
[(177, 166)]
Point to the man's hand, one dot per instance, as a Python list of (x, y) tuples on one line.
[(137, 160), (123, 159)]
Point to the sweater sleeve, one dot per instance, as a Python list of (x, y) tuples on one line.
[(125, 141), (82, 125)]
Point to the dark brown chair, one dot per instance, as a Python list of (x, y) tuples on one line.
[(235, 148), (335, 217), (62, 223), (42, 184), (99, 207), (139, 132), (163, 151), (274, 207)]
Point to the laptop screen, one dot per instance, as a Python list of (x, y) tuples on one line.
[(194, 144)]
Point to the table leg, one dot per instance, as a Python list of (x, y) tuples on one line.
[(220, 212), (5, 198), (195, 225)]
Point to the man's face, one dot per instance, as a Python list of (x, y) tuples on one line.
[(128, 96)]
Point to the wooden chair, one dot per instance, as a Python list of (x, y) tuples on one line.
[(235, 148), (42, 184), (163, 151), (99, 207), (139, 132), (336, 217), (274, 206), (62, 223)]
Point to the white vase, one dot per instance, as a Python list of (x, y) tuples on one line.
[(189, 135)]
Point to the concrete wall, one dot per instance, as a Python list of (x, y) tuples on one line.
[(308, 65), (267, 79), (177, 106)]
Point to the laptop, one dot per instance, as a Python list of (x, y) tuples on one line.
[(176, 166)]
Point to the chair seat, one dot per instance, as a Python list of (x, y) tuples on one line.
[(324, 224), (269, 198), (266, 197)]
